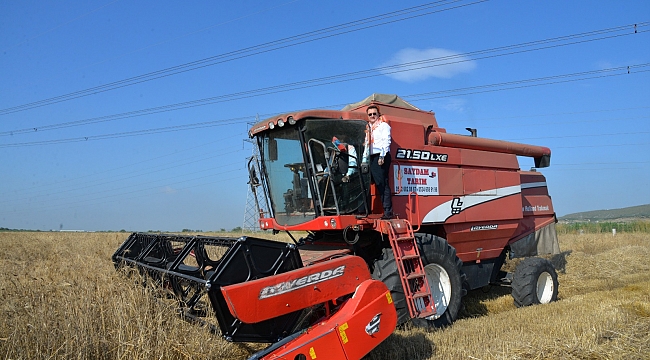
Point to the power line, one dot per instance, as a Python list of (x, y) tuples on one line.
[(554, 114), (598, 169), (182, 36), (603, 163), (231, 121), (341, 29), (192, 33), (184, 161), (590, 121), (66, 205), (357, 75), (598, 145), (617, 71), (148, 184), (131, 176), (579, 76), (580, 136), (114, 198), (202, 158)]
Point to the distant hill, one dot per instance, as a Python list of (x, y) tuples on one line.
[(641, 212)]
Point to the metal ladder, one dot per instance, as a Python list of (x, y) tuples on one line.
[(410, 267)]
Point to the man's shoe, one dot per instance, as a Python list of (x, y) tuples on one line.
[(387, 216)]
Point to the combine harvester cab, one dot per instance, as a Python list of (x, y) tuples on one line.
[(461, 203)]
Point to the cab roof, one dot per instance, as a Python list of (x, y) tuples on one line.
[(391, 105)]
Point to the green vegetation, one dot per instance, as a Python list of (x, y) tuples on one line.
[(7, 229), (604, 227)]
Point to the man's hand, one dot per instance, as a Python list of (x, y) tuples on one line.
[(380, 161), (345, 179)]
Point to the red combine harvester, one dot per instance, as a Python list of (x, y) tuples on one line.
[(461, 206)]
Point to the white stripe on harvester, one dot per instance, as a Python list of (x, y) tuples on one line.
[(443, 211)]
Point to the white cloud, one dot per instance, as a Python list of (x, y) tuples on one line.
[(440, 63), (168, 190)]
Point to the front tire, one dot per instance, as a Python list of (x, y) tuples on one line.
[(534, 282), (444, 275)]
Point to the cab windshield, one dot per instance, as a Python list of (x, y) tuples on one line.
[(315, 168)]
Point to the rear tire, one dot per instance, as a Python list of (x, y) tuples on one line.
[(534, 282), (444, 275)]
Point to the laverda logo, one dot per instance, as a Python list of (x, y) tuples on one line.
[(484, 227), (296, 284)]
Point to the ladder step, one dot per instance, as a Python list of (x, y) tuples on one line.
[(414, 276), (421, 294), (404, 238), (425, 314), (410, 257), (401, 231)]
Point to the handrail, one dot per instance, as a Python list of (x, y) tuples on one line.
[(416, 212)]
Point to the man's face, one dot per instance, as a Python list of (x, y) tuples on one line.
[(373, 115)]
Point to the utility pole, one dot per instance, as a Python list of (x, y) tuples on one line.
[(254, 200)]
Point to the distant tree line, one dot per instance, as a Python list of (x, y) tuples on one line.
[(603, 227), (7, 229)]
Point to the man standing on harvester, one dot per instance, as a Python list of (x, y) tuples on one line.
[(378, 154)]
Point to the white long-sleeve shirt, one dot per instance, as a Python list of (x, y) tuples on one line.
[(380, 141)]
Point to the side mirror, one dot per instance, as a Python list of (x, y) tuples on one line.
[(273, 149)]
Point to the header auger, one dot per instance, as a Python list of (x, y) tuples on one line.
[(461, 205)]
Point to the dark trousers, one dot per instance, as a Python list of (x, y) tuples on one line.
[(380, 177)]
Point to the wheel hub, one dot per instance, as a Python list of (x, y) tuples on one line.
[(440, 285), (544, 287)]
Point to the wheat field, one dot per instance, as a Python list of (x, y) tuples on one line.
[(61, 298)]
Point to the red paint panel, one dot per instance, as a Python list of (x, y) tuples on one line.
[(409, 136), (475, 180), (531, 177), (373, 301), (450, 181), (262, 299), (507, 178), (504, 208), (343, 335), (537, 205), (487, 159), (467, 241), (324, 346)]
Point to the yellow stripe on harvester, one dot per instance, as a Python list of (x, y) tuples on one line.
[(342, 329)]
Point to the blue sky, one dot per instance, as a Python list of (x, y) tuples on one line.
[(79, 162)]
